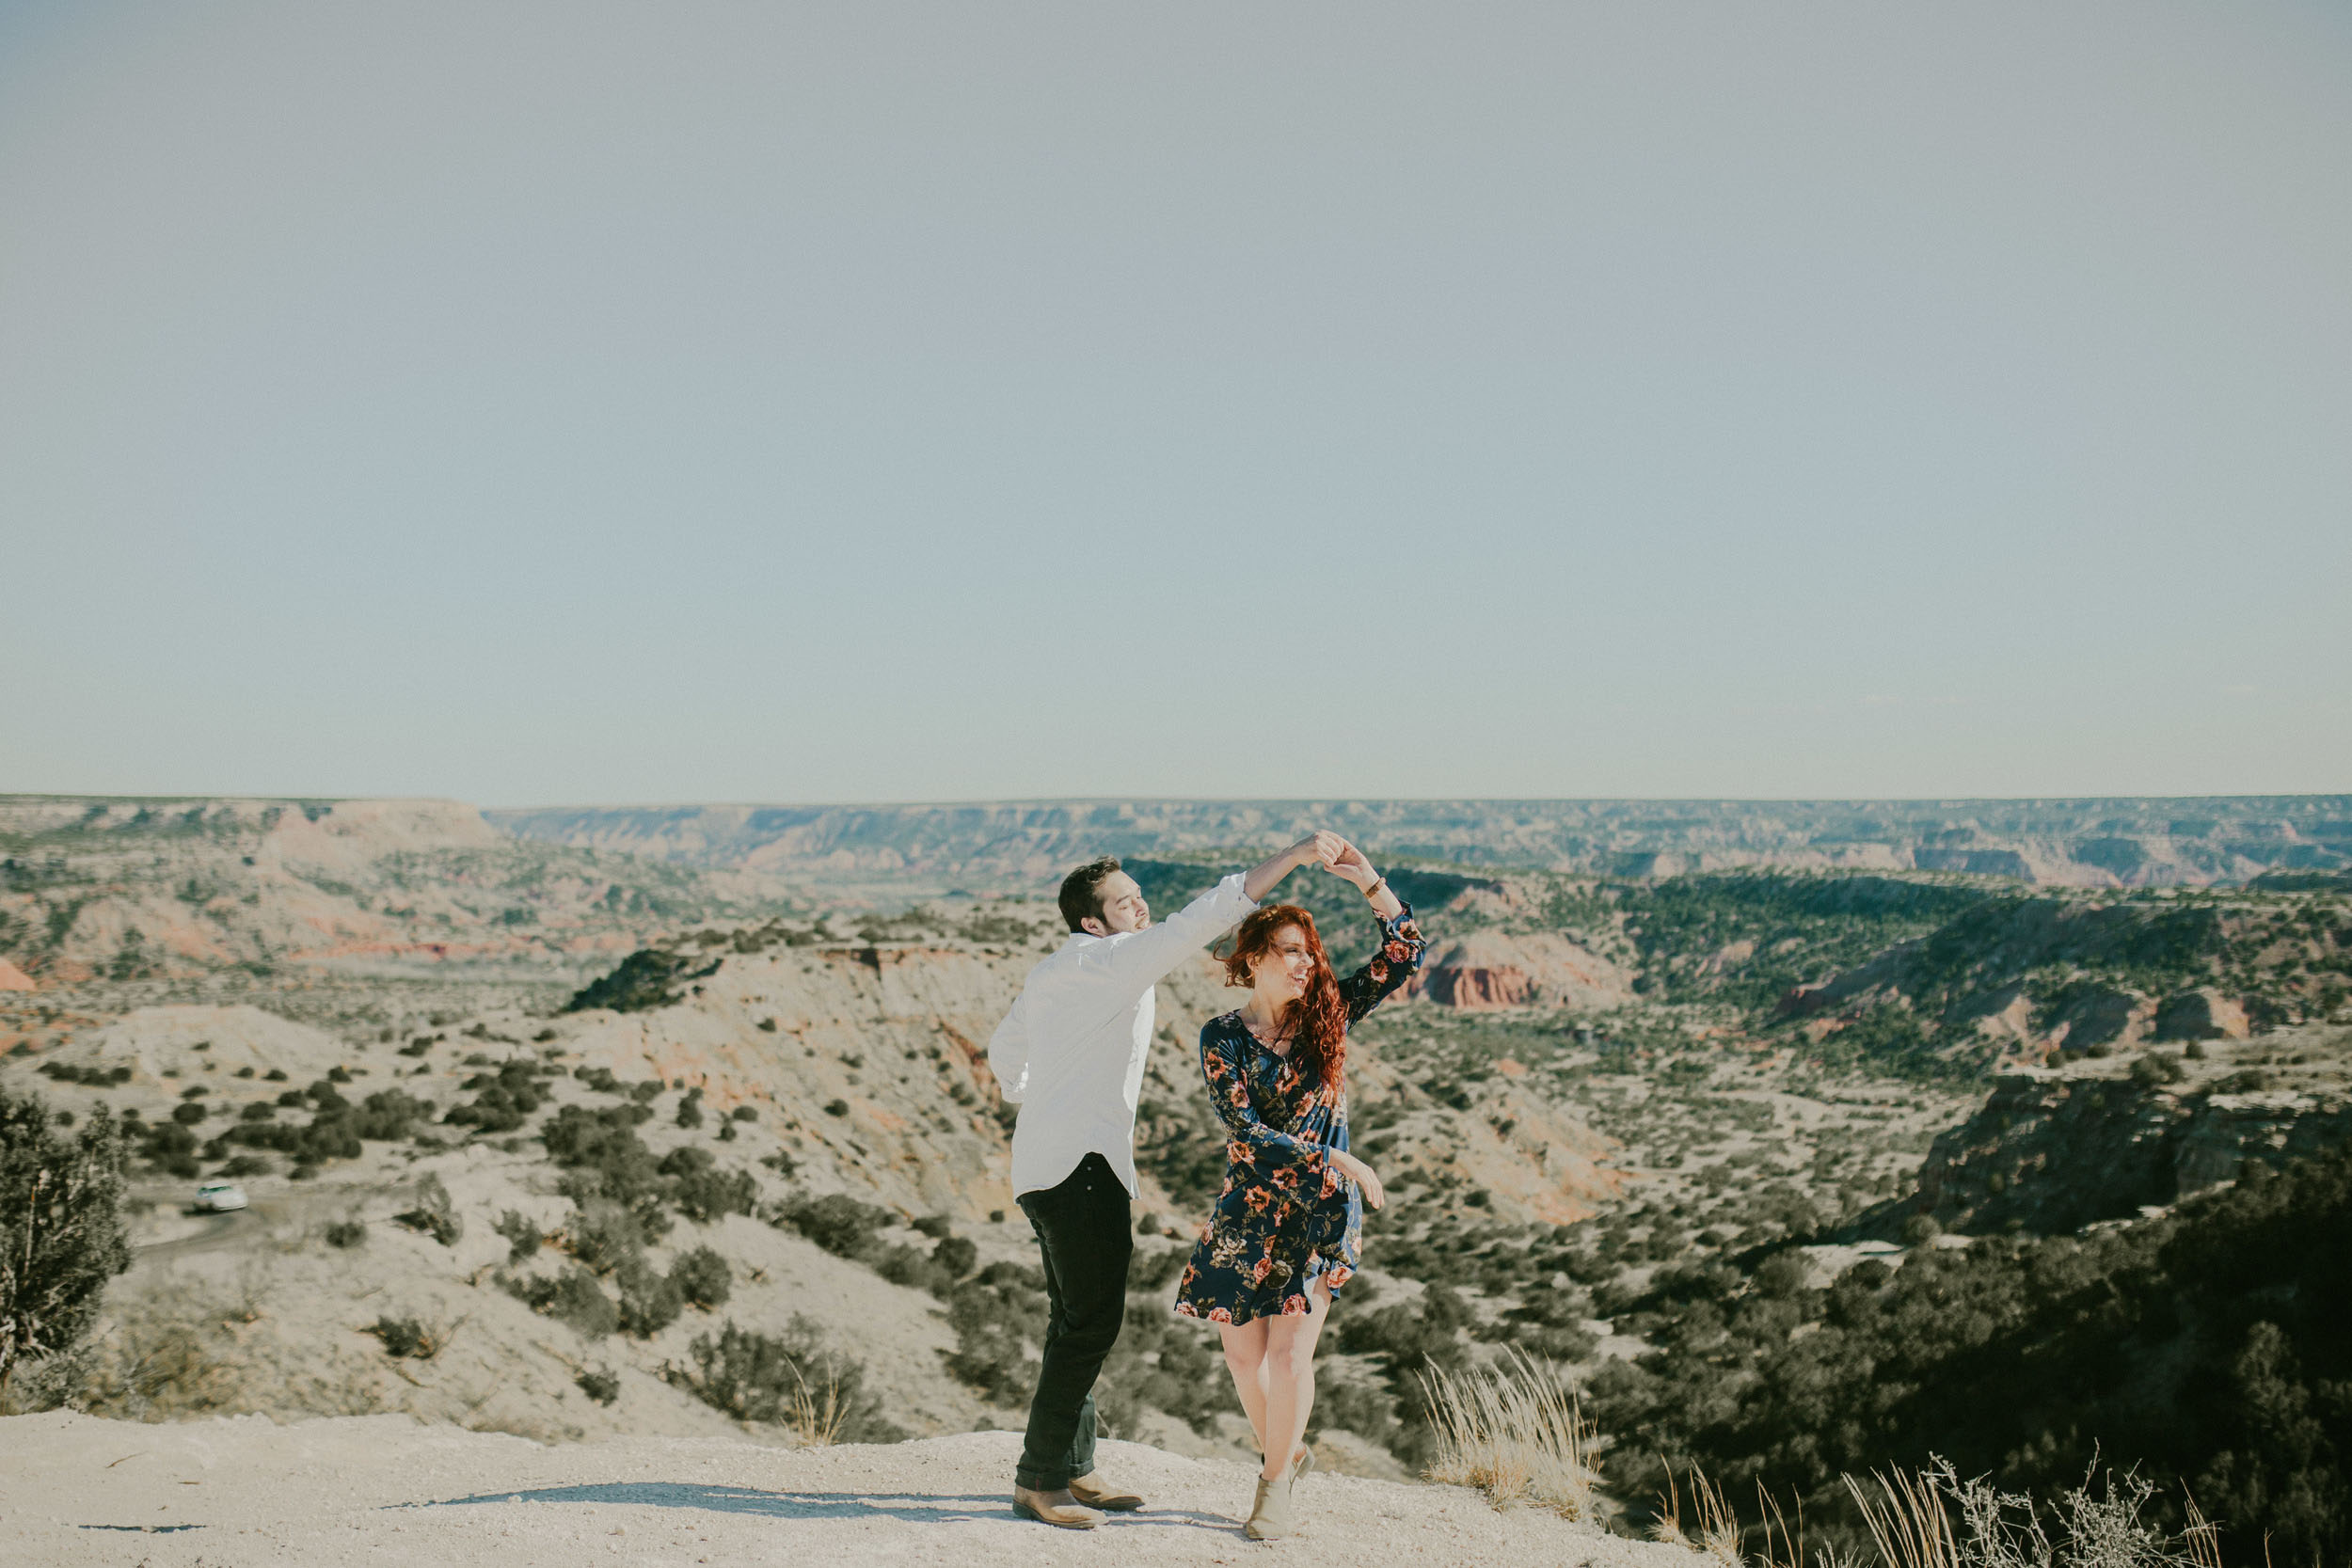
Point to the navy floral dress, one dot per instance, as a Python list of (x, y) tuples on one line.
[(1285, 1216)]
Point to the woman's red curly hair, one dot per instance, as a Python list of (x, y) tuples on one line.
[(1317, 1022)]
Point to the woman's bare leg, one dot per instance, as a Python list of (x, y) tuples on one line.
[(1245, 1357), (1290, 1375)]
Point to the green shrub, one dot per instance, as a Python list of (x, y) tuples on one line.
[(1409, 1338), (503, 1101), (604, 1159), (347, 1234), (703, 1277), (406, 1339), (1549, 1323), (606, 1144), (1362, 1408), (572, 1297), (762, 1377), (167, 1146), (388, 1116), (913, 1267), (702, 1190), (522, 1233), (647, 979), (600, 1384), (600, 1079), (650, 1300), (956, 1256), (61, 1229), (836, 1222), (999, 1315), (606, 1236), (433, 1214), (1153, 1271)]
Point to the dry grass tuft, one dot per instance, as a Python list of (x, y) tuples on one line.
[(814, 1421), (1907, 1521), (1714, 1530), (1515, 1432)]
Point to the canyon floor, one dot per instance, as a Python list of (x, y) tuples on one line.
[(386, 1490)]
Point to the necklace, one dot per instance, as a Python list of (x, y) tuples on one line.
[(1280, 1044)]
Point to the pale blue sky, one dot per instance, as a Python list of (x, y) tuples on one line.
[(576, 403)]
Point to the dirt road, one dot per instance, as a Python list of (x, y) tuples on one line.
[(267, 1212)]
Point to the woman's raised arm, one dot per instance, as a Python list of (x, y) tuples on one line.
[(1401, 947)]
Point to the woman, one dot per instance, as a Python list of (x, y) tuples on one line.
[(1287, 1229)]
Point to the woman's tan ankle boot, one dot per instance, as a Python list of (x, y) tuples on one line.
[(1270, 1513)]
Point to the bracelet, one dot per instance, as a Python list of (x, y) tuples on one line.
[(1377, 883)]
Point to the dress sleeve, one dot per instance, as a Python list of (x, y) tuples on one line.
[(1392, 962), (1248, 1140)]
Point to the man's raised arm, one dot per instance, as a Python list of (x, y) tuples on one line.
[(1142, 958), (1314, 846)]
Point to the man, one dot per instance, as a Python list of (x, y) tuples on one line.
[(1069, 1053)]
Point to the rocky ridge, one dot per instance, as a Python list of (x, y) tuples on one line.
[(2089, 843)]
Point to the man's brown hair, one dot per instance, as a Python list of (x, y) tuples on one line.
[(1082, 891)]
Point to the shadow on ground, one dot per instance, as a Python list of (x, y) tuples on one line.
[(913, 1507)]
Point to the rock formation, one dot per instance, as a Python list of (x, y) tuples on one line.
[(1495, 969), (2055, 1150)]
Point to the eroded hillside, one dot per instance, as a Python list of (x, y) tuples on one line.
[(358, 913)]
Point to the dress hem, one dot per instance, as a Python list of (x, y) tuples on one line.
[(1177, 1307)]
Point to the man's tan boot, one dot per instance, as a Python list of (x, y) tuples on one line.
[(1094, 1492), (1057, 1509), (1270, 1511)]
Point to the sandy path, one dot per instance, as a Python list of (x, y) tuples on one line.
[(383, 1490)]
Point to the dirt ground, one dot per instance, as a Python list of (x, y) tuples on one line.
[(386, 1490)]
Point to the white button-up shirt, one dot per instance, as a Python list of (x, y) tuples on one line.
[(1071, 1052)]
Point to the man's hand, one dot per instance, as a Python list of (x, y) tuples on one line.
[(1345, 862)]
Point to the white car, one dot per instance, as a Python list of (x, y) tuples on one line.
[(219, 1197)]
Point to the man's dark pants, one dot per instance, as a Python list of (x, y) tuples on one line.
[(1085, 1237)]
